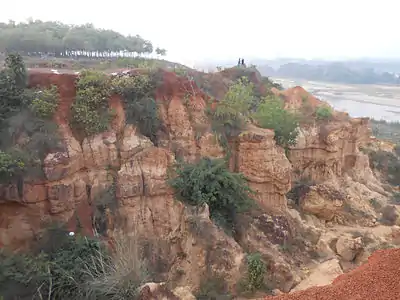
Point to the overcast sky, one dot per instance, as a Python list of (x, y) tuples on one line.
[(223, 29)]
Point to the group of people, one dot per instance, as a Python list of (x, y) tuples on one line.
[(241, 62)]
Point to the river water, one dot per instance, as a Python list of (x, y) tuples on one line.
[(380, 102)]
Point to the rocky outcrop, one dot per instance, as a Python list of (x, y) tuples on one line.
[(126, 169), (323, 201), (325, 151), (122, 166), (265, 166), (323, 274)]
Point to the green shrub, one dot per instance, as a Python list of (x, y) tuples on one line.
[(90, 111), (140, 106), (45, 102), (256, 270), (10, 166), (12, 86), (73, 267), (209, 181), (15, 63), (231, 113), (21, 275), (58, 270), (272, 115), (323, 113), (27, 134)]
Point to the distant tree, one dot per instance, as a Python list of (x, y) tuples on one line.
[(160, 51), (38, 38)]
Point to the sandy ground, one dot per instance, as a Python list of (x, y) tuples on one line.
[(359, 100)]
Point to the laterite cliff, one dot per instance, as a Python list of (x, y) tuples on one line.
[(326, 153)]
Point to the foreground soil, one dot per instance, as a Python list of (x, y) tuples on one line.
[(378, 279)]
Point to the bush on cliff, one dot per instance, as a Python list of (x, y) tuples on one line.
[(13, 79), (272, 115), (256, 270), (57, 269), (230, 115), (10, 166), (90, 111), (140, 106), (209, 181), (45, 102), (323, 113), (27, 132), (72, 267)]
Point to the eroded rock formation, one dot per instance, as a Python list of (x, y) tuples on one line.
[(187, 245)]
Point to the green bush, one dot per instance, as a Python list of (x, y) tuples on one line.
[(90, 111), (45, 102), (209, 181), (323, 113), (13, 79), (10, 166), (58, 270), (231, 113), (73, 267), (256, 270), (272, 115), (27, 133), (140, 106)]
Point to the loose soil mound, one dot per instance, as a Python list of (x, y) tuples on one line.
[(378, 279)]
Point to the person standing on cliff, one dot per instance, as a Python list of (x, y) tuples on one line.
[(239, 62), (242, 61)]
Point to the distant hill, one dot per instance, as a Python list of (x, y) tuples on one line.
[(352, 72)]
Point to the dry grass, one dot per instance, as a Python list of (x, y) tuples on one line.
[(121, 275)]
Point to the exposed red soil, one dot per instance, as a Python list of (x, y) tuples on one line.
[(378, 279), (177, 86), (296, 96)]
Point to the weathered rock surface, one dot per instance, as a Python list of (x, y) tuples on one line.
[(185, 245), (323, 274), (348, 248), (265, 166)]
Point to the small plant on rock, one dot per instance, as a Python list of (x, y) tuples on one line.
[(256, 270), (323, 112)]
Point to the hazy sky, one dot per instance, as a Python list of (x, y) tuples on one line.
[(222, 29)]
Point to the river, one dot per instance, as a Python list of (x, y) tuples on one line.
[(381, 102)]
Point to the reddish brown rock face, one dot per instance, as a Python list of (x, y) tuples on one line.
[(124, 159)]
